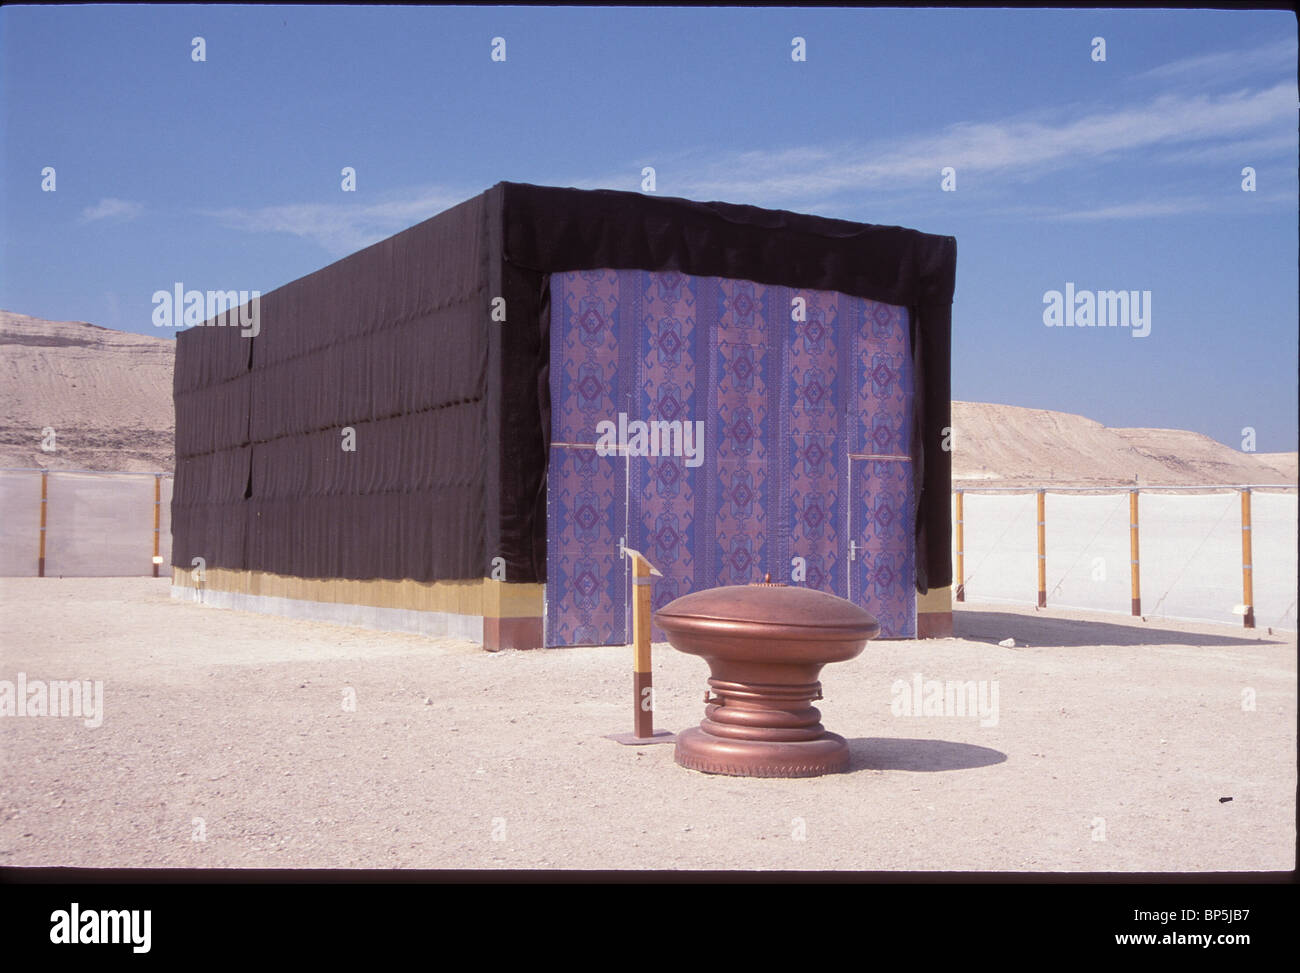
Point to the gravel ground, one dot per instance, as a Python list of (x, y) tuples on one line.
[(226, 741)]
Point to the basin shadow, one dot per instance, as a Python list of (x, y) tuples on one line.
[(893, 753), (1046, 631)]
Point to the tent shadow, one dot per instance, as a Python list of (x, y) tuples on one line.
[(1046, 632), (893, 753)]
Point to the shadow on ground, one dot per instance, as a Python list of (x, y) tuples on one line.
[(880, 753), (1030, 631)]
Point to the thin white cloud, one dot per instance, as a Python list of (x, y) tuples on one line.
[(1020, 148), (1228, 65), (835, 177), (111, 209), (1228, 203), (344, 227), (1239, 152), (1140, 210)]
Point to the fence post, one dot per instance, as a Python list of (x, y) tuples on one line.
[(1247, 568), (45, 494), (1042, 551), (157, 522), (961, 549), (1134, 571)]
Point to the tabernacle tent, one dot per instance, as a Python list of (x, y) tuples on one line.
[(460, 429)]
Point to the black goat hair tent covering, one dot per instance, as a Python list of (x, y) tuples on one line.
[(380, 442)]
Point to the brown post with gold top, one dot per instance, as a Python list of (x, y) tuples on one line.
[(642, 683), (961, 550), (157, 518), (1042, 551), (1135, 582), (1247, 569), (643, 730), (45, 493)]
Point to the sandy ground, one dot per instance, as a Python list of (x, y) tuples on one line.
[(1114, 748)]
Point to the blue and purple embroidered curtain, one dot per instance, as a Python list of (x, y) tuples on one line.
[(804, 399)]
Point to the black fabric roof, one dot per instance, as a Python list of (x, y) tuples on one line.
[(549, 229)]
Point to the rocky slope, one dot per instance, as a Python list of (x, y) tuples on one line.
[(107, 396)]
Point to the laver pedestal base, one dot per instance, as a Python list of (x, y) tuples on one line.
[(753, 729), (697, 750)]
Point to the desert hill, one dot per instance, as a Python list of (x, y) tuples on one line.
[(1006, 445), (108, 396)]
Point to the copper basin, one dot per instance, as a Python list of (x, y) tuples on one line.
[(765, 645)]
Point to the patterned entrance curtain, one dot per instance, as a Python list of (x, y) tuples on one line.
[(786, 417)]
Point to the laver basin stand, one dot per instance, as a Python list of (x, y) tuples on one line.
[(765, 645)]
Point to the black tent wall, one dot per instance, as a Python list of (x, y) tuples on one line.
[(391, 342)]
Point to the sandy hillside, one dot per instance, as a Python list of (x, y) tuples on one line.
[(1005, 445), (108, 396)]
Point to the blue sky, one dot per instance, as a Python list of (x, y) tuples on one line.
[(1122, 174)]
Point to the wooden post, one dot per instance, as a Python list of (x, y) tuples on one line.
[(643, 731), (1135, 583), (1042, 551), (45, 493), (961, 549), (157, 519), (642, 681), (1247, 570)]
